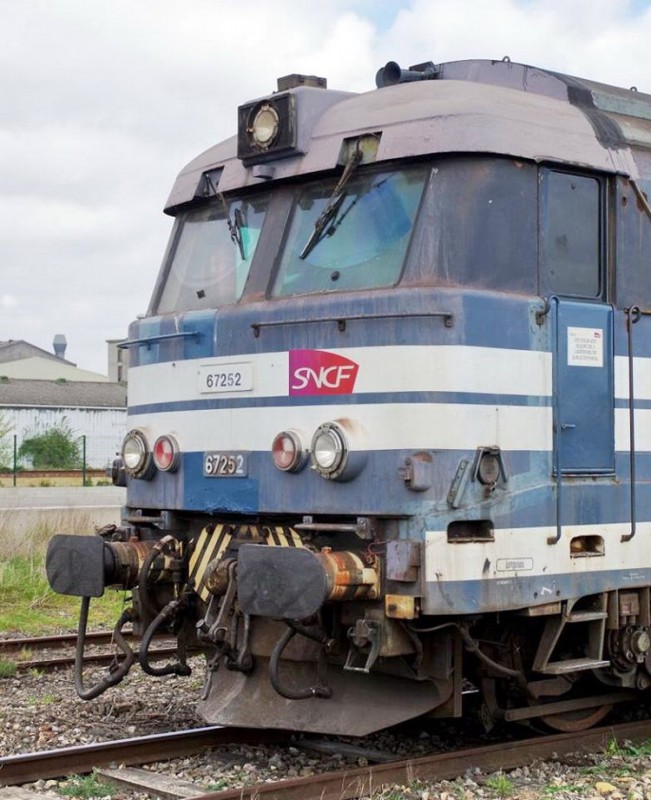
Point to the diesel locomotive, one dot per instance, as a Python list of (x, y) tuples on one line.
[(390, 409)]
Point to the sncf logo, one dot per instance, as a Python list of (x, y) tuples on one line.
[(318, 372)]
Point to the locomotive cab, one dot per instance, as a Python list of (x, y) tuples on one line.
[(383, 430)]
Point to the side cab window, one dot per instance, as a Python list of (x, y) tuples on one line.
[(572, 234)]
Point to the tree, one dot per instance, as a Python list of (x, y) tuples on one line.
[(56, 447)]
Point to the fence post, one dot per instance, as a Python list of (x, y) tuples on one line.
[(83, 463), (15, 469)]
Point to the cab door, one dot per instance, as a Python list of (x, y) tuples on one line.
[(573, 250), (584, 416)]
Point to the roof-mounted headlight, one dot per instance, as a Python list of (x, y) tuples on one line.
[(267, 129), (136, 455), (264, 127)]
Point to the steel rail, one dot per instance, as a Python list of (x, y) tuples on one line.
[(81, 759), (54, 641), (362, 782), (89, 658)]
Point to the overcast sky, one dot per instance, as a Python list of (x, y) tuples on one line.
[(104, 101)]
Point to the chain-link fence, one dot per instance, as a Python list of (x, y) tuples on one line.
[(56, 456)]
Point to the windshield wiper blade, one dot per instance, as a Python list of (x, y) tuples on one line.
[(325, 225), (322, 226), (235, 226)]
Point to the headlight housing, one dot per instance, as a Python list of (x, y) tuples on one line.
[(135, 455), (166, 453), (328, 450), (339, 449), (288, 452)]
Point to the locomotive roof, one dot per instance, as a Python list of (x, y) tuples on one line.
[(470, 107)]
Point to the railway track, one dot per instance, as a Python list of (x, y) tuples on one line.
[(20, 650), (341, 785)]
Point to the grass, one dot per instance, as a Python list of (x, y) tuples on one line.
[(87, 786), (27, 604), (25, 479), (500, 784), (7, 669)]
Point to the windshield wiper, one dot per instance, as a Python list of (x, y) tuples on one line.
[(235, 226), (325, 224)]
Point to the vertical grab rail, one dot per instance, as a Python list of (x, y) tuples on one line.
[(556, 412), (633, 315)]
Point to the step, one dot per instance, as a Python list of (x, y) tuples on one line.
[(573, 665), (585, 616)]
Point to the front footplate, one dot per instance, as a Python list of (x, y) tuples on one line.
[(359, 705)]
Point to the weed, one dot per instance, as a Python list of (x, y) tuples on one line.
[(27, 603), (613, 748), (45, 700), (218, 786), (636, 750), (86, 786), (553, 789), (500, 784), (7, 669)]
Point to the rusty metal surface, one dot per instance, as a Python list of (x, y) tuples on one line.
[(89, 658), (357, 782), (16, 645), (359, 704), (142, 750)]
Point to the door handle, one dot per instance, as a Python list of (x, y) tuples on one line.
[(567, 426)]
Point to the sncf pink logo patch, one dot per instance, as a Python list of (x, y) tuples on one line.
[(318, 372)]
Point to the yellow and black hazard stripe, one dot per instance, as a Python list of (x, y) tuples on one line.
[(214, 541)]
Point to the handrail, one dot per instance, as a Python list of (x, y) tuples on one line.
[(149, 340), (556, 411), (447, 316), (633, 314)]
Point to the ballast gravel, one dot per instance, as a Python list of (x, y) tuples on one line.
[(40, 711)]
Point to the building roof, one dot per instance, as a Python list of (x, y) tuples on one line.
[(15, 349), (61, 394), (47, 369)]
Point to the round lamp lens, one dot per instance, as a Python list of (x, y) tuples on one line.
[(326, 450), (283, 451), (265, 126), (134, 452), (165, 453)]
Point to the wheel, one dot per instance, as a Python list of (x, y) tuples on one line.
[(578, 720)]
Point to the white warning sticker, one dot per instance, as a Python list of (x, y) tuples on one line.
[(585, 347)]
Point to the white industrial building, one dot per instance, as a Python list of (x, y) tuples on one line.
[(41, 390)]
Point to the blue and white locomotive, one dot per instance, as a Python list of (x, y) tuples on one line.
[(390, 408)]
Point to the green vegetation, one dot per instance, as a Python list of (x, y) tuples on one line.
[(56, 447), (637, 750), (500, 784), (28, 605), (87, 786), (7, 669)]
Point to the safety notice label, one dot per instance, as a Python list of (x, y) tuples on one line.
[(585, 347)]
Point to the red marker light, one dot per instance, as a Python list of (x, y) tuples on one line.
[(166, 453)]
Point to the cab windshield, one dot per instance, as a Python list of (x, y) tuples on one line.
[(356, 239), (212, 254)]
